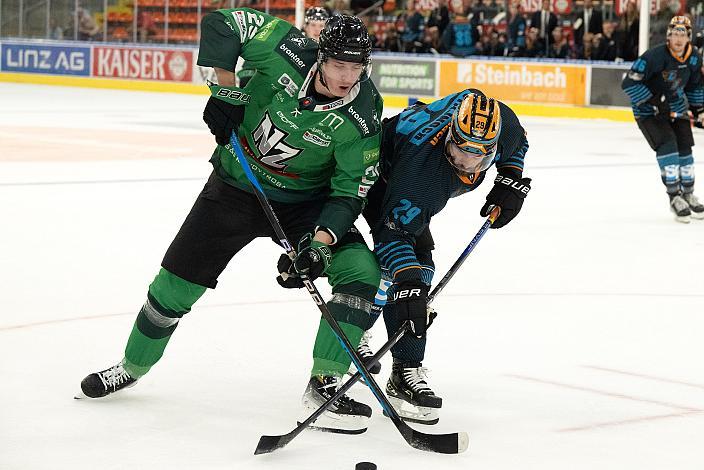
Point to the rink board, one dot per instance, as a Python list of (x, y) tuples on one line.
[(537, 88)]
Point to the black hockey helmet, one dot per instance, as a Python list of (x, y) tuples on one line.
[(315, 14), (345, 38)]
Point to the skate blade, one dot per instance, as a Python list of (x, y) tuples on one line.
[(82, 396), (335, 430), (333, 422), (414, 414)]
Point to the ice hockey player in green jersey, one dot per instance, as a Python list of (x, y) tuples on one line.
[(308, 122)]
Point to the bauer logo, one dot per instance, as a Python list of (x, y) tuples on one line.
[(55, 60), (234, 95)]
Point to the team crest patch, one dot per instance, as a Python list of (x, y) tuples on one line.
[(299, 41)]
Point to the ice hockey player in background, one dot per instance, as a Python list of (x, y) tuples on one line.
[(313, 23), (429, 154), (309, 124), (666, 89)]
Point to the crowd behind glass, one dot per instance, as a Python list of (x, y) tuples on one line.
[(590, 30)]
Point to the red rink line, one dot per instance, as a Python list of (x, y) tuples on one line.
[(134, 313), (630, 421), (688, 409), (645, 376)]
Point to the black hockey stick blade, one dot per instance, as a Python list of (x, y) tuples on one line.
[(268, 444), (453, 443)]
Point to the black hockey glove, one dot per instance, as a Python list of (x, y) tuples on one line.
[(313, 259), (698, 116), (508, 193), (411, 299), (222, 118), (288, 277)]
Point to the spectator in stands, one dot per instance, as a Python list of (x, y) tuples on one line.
[(559, 48), (628, 33), (338, 7), (55, 31), (431, 39), (588, 20), (87, 27), (585, 50), (545, 22), (516, 29), (495, 45), (439, 19), (413, 25), (392, 41), (658, 24), (607, 49), (461, 37), (534, 46), (480, 11)]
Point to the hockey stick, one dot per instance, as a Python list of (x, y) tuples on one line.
[(470, 247), (443, 443), (271, 443)]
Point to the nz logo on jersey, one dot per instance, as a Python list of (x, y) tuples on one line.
[(270, 141)]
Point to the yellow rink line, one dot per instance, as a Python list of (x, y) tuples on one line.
[(395, 101)]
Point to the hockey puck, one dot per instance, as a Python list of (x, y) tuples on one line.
[(365, 466)]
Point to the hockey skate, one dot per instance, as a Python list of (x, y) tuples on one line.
[(106, 382), (344, 416), (680, 208), (366, 354), (696, 208), (410, 395)]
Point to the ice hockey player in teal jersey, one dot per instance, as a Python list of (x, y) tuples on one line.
[(431, 153), (666, 90), (308, 121)]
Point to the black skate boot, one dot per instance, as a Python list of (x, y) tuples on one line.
[(366, 354), (410, 395), (695, 207), (680, 208), (106, 382), (345, 416)]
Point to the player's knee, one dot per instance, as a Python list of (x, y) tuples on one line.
[(355, 271), (351, 309), (173, 293)]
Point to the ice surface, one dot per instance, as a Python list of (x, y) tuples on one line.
[(571, 339)]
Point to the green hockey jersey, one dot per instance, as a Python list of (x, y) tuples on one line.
[(298, 153)]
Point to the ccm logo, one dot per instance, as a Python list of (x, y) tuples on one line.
[(518, 186), (407, 293)]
